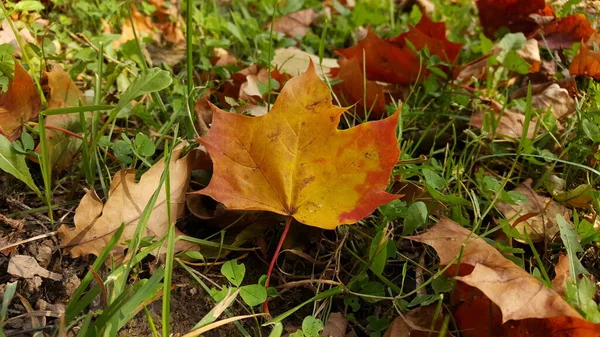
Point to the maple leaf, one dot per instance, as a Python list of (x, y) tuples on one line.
[(354, 89), (432, 35), (293, 160), (527, 306), (63, 93), (586, 63), (95, 222), (18, 104)]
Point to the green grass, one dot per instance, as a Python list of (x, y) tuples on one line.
[(368, 271)]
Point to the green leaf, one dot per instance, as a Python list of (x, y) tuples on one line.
[(417, 216), (591, 130), (234, 272), (253, 294), (372, 288), (394, 209), (144, 146), (311, 326), (28, 5), (513, 62), (512, 42), (14, 164), (571, 242), (434, 179), (378, 253), (27, 141), (277, 330), (153, 80)]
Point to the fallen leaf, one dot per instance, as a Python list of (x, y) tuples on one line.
[(335, 326), (8, 36), (353, 89), (561, 274), (143, 27), (294, 61), (222, 57), (295, 24), (536, 216), (431, 35), (63, 93), (18, 104), (510, 124), (528, 307), (27, 267), (293, 161), (512, 14), (557, 99), (563, 32), (95, 222), (416, 323), (586, 63)]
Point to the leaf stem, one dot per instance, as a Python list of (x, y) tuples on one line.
[(288, 222)]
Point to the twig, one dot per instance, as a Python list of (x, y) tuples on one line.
[(37, 237)]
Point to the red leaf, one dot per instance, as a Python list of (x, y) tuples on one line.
[(512, 14), (586, 63), (568, 30)]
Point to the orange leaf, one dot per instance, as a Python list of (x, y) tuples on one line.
[(586, 63), (63, 93), (512, 14), (383, 60), (353, 90), (18, 104), (293, 160), (568, 30)]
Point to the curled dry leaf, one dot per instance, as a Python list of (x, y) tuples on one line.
[(519, 295), (295, 24), (557, 99), (510, 124), (528, 307), (536, 216), (18, 104), (416, 323), (95, 222), (586, 63), (293, 61), (303, 167)]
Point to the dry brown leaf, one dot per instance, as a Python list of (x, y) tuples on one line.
[(518, 294), (335, 326), (294, 61), (18, 104), (295, 24), (7, 36), (27, 267), (511, 124), (557, 99), (536, 216), (416, 323), (562, 274), (95, 222)]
